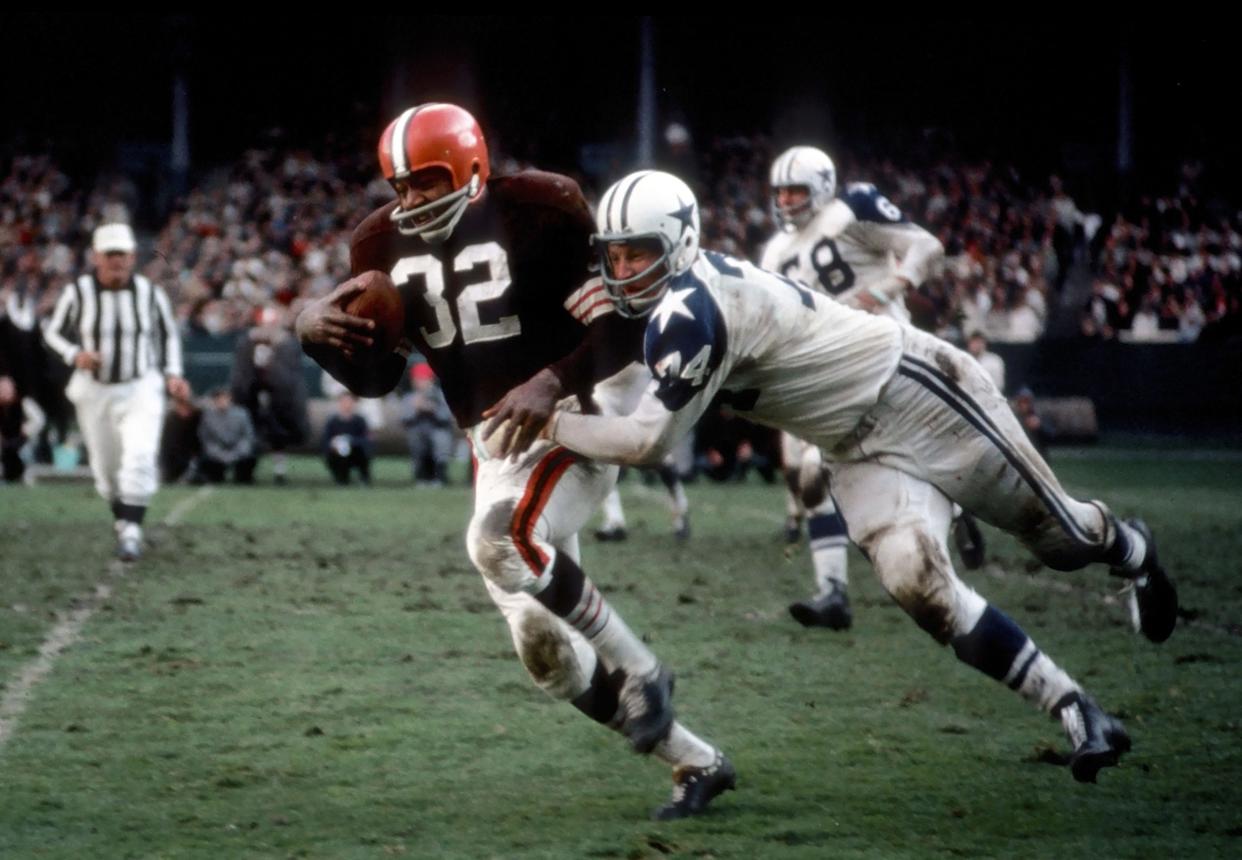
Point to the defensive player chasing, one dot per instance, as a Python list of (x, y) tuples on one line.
[(494, 278), (863, 251), (908, 424)]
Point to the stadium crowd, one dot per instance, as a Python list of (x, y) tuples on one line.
[(1169, 268), (273, 228), (253, 240)]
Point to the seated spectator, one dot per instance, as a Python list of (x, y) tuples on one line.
[(370, 408), (268, 381), (180, 447), (1025, 322), (12, 467), (428, 427), (1024, 407), (228, 441), (977, 345), (1103, 309), (347, 442), (727, 447), (1146, 322)]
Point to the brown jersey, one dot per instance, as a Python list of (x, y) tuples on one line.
[(488, 307)]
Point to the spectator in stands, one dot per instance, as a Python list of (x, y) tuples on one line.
[(428, 427), (11, 439), (228, 440), (977, 345), (179, 443), (1025, 323), (347, 442), (268, 381), (1104, 310), (1145, 325), (1023, 405)]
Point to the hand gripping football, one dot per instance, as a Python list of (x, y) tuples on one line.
[(380, 302), (488, 448)]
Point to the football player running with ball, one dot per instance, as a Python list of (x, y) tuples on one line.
[(493, 273), (862, 250), (908, 425)]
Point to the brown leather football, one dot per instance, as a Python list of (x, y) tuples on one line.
[(379, 301)]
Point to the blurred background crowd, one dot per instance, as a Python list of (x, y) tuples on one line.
[(1022, 260), (1089, 201)]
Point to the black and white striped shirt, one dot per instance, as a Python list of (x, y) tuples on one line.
[(132, 328)]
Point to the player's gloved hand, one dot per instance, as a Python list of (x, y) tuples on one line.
[(527, 409), (324, 321)]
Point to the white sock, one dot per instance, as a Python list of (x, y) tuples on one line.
[(614, 514), (683, 748), (1045, 683), (831, 566), (1138, 547), (680, 503)]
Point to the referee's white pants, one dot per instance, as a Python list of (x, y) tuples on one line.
[(121, 424)]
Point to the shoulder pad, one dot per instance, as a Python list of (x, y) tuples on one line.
[(685, 341), (868, 204), (374, 224), (539, 188)]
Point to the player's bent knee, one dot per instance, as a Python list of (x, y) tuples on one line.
[(490, 545), (549, 655), (1072, 544), (917, 573)]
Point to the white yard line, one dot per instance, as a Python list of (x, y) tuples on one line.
[(68, 630)]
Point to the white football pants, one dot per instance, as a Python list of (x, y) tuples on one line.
[(121, 424)]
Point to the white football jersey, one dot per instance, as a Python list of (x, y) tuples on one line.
[(858, 242), (778, 353)]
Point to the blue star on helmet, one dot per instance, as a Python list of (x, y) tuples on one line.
[(825, 176), (685, 215), (674, 304)]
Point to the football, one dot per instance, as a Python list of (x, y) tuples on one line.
[(488, 448), (380, 302)]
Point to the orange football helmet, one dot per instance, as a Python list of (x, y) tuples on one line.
[(435, 135)]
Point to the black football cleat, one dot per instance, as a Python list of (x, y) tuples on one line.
[(647, 701), (831, 610), (793, 530), (969, 541), (695, 787), (681, 528), (1152, 595), (1099, 739), (616, 534)]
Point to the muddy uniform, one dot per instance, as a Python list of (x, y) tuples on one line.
[(507, 294)]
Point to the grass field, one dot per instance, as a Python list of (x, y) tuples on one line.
[(317, 672)]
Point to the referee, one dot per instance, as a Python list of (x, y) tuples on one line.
[(116, 329)]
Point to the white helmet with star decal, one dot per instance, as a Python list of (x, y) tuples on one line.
[(647, 207), (802, 167)]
